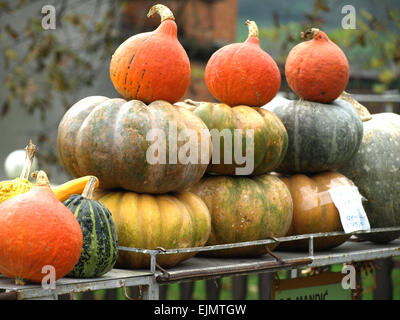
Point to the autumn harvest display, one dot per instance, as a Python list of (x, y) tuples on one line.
[(151, 170)]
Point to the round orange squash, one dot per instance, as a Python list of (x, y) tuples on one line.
[(152, 65), (37, 230), (145, 221), (243, 73), (317, 69), (314, 210)]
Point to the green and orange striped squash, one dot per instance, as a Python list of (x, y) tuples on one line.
[(108, 138), (245, 209), (270, 136), (169, 221)]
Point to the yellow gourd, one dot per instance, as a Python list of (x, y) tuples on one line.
[(12, 188), (75, 186)]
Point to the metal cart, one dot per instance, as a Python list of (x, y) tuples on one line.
[(200, 267)]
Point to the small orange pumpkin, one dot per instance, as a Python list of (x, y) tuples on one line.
[(152, 65), (37, 230), (317, 70), (243, 73)]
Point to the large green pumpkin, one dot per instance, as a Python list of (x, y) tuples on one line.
[(270, 137), (322, 137), (245, 209), (122, 143), (375, 169), (100, 242)]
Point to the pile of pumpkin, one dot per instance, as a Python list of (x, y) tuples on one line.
[(301, 149)]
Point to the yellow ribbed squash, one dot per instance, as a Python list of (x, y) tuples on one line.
[(170, 221)]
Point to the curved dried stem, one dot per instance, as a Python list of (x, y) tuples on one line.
[(253, 29), (309, 33), (164, 12), (30, 154), (89, 188)]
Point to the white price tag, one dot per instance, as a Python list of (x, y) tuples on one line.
[(347, 200)]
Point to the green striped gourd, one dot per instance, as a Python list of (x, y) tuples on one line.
[(100, 243)]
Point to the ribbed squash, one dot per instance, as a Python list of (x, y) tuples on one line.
[(147, 221), (100, 242), (11, 188), (111, 139), (322, 137), (245, 209), (314, 210), (74, 186), (267, 147), (375, 171)]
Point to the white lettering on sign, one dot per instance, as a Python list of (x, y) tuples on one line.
[(347, 200)]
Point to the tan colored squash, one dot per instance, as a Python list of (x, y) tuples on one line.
[(314, 210)]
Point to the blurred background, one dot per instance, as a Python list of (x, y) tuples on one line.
[(44, 72)]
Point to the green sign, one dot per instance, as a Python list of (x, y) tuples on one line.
[(326, 286)]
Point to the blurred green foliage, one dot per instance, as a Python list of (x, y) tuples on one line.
[(40, 65)]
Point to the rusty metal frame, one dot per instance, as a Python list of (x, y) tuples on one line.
[(159, 251), (152, 278)]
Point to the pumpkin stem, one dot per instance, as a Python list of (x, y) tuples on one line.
[(89, 188), (362, 111), (253, 29), (164, 12), (41, 178), (309, 33), (30, 154), (19, 281), (192, 102)]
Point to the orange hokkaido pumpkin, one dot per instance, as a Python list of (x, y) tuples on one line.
[(243, 73), (152, 65), (317, 69), (37, 230)]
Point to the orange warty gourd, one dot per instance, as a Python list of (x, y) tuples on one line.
[(317, 69), (243, 73), (152, 65), (37, 230)]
